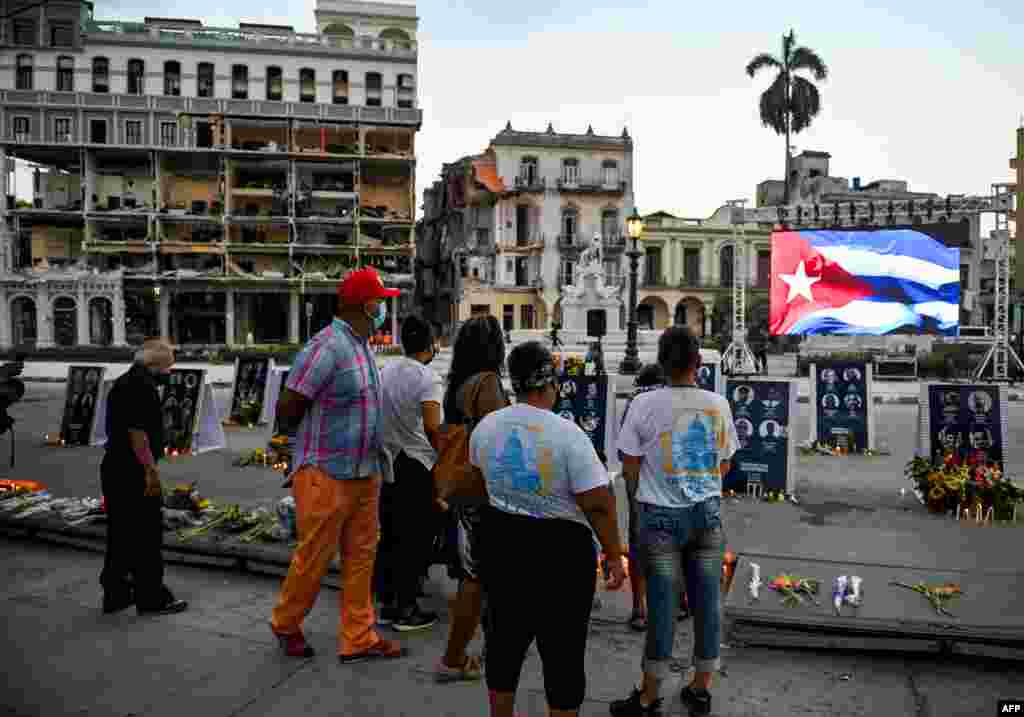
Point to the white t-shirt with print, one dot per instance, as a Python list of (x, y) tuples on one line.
[(535, 462), (683, 433), (406, 385)]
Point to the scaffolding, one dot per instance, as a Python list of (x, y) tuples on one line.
[(738, 358), (882, 214)]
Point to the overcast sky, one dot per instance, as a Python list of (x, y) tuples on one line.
[(930, 93)]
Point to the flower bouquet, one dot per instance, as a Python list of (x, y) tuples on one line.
[(937, 595), (940, 485), (791, 587), (573, 366)]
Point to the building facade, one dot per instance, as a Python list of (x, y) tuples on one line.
[(502, 230), (206, 184), (1017, 169)]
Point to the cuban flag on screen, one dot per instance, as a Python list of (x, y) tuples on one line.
[(863, 282)]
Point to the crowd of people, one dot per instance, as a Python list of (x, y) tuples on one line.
[(367, 442)]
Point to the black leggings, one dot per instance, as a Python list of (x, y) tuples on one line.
[(540, 576)]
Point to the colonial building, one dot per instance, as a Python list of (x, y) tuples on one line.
[(501, 230), (1017, 167), (208, 184)]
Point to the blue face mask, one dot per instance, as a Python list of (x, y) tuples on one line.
[(380, 318)]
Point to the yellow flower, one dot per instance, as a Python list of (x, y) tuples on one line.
[(936, 493)]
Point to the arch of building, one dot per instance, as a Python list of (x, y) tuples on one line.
[(652, 312)]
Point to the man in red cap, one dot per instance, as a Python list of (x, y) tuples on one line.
[(333, 394)]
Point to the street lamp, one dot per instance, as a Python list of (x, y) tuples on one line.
[(630, 365)]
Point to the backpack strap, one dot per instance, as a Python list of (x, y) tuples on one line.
[(470, 416)]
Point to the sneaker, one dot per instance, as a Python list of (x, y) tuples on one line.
[(413, 620), (383, 650), (293, 645), (631, 707), (387, 615), (698, 701), (170, 607)]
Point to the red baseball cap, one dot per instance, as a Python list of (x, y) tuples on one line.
[(363, 285)]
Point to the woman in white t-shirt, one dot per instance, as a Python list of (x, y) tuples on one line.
[(549, 494), (677, 443)]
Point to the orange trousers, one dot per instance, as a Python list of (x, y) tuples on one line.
[(333, 515)]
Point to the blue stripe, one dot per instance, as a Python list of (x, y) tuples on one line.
[(903, 242), (827, 325), (904, 291)]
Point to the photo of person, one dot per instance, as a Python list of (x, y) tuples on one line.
[(567, 415), (743, 397), (703, 374), (590, 422), (592, 390), (853, 401), (828, 376), (830, 402), (744, 431), (981, 439), (950, 439), (851, 375), (951, 402), (568, 389), (770, 430), (980, 403)]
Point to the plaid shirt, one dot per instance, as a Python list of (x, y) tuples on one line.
[(341, 431)]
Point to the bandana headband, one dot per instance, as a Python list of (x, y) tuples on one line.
[(540, 378)]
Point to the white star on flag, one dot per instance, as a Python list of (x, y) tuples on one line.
[(799, 283)]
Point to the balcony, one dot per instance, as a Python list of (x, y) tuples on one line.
[(535, 242), (571, 242), (591, 185), (614, 244), (132, 33), (530, 184)]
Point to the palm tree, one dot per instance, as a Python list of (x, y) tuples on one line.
[(791, 102)]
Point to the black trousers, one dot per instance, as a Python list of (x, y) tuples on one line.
[(135, 531), (540, 576), (408, 525)]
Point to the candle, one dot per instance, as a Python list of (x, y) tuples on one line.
[(839, 587), (854, 593)]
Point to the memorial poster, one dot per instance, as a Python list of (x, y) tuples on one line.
[(180, 399), (762, 411), (966, 420), (842, 404), (586, 401), (708, 376), (80, 404), (249, 390), (279, 378)]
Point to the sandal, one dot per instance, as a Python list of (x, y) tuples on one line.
[(638, 622), (470, 672)]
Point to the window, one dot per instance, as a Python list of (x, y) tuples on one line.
[(374, 88), (25, 33), (22, 129), (136, 77), (307, 85), (133, 132), (62, 130), (340, 85), (508, 317), (406, 91), (100, 74), (239, 82), (62, 34), (168, 134), (172, 78), (691, 266), (510, 267), (275, 84), (98, 131), (526, 316), (528, 171), (965, 275), (725, 266), (65, 74), (652, 265), (570, 219), (764, 268), (610, 173), (612, 272), (204, 79), (610, 224), (566, 274), (23, 80), (570, 171)]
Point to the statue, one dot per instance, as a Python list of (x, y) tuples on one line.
[(591, 261)]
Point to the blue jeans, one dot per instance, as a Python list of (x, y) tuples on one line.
[(680, 542)]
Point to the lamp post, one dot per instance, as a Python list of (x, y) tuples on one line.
[(630, 365)]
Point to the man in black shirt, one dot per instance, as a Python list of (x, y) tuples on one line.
[(132, 489)]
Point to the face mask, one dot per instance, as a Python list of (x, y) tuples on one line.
[(380, 318)]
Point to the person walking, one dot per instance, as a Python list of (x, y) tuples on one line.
[(549, 495), (333, 393), (650, 378), (759, 347), (477, 362), (413, 393), (133, 566), (678, 442)]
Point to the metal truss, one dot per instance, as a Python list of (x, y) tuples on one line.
[(998, 250), (738, 358)]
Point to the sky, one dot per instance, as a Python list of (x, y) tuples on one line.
[(927, 93)]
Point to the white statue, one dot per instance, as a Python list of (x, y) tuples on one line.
[(591, 262)]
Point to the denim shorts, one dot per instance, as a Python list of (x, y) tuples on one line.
[(680, 543)]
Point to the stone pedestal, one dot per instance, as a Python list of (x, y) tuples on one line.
[(593, 295)]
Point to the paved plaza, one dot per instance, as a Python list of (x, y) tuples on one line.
[(219, 658)]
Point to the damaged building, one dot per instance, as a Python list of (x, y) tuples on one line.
[(206, 184)]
